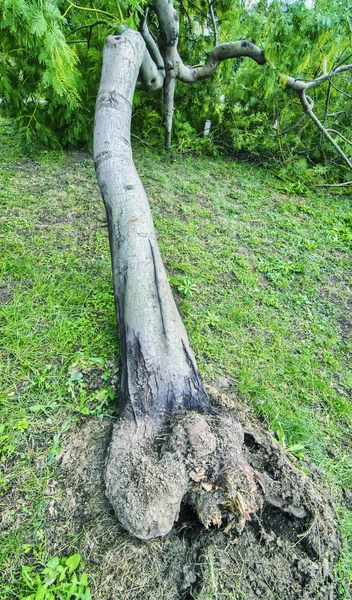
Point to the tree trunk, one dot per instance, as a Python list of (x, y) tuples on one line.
[(159, 372)]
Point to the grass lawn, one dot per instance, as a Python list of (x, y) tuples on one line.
[(263, 280)]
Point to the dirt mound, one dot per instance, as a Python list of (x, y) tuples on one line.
[(280, 545)]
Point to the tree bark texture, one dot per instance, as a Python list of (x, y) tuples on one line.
[(168, 430), (159, 372), (168, 434), (152, 455)]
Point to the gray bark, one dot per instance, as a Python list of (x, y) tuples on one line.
[(146, 479), (159, 372), (152, 71), (220, 53), (174, 67), (150, 77)]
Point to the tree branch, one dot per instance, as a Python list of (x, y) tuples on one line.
[(168, 24), (85, 8), (198, 8), (90, 25), (340, 135), (168, 107), (327, 102), (308, 105), (301, 87), (150, 77), (221, 52), (298, 85), (168, 39), (213, 21), (341, 91), (151, 44), (344, 184), (174, 66)]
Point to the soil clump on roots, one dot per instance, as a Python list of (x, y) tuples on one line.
[(265, 530)]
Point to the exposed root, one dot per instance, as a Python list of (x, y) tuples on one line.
[(194, 458), (202, 461), (286, 549)]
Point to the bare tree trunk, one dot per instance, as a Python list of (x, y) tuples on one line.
[(159, 372), (168, 435)]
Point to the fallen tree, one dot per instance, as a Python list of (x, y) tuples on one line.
[(147, 475), (171, 446)]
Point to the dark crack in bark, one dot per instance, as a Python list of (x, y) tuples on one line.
[(157, 287)]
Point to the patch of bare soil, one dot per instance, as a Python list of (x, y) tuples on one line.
[(6, 294), (280, 543)]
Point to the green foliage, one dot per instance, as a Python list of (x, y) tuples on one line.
[(50, 59), (185, 286), (50, 62), (58, 580)]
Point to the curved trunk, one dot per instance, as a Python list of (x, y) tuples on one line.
[(159, 373), (160, 455)]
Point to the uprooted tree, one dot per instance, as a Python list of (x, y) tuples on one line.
[(161, 442), (171, 446)]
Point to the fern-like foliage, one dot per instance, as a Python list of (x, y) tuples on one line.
[(50, 57), (50, 60)]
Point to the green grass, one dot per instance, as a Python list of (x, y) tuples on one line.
[(263, 280)]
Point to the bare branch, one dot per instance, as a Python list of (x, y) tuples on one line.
[(150, 77), (168, 107), (337, 113), (89, 25), (327, 102), (341, 91), (308, 105), (168, 24), (345, 59), (222, 52), (168, 39), (301, 88), (198, 8), (213, 21), (344, 184), (186, 13), (174, 67), (151, 44), (340, 135), (298, 85)]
